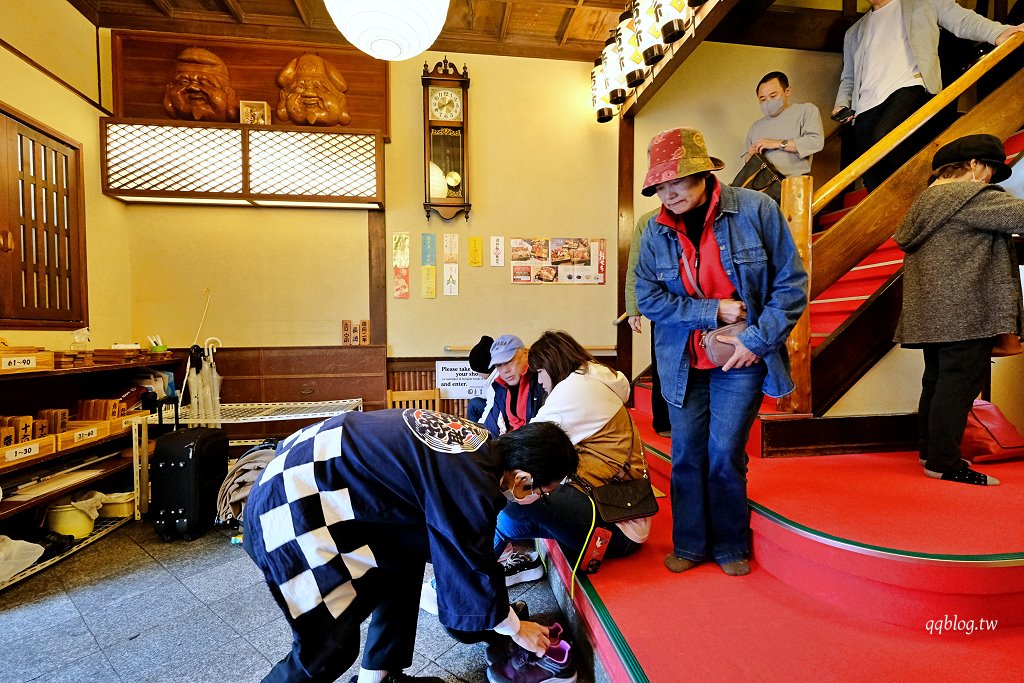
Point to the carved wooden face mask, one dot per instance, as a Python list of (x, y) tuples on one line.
[(201, 88), (312, 93)]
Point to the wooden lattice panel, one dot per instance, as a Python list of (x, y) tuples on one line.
[(173, 158), (312, 164)]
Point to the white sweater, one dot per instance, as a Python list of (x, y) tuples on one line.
[(582, 403)]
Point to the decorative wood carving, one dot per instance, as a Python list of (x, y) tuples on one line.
[(200, 89), (312, 93), (143, 62)]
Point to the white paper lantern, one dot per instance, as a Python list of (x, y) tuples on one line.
[(629, 49), (389, 29), (613, 72), (599, 94), (648, 32), (676, 18)]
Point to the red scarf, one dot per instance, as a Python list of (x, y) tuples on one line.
[(518, 419)]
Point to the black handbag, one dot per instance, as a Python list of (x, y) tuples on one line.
[(760, 175), (624, 499)]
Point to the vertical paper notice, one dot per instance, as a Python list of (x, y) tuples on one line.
[(428, 255), (400, 262), (429, 282), (451, 279), (497, 250), (451, 248), (476, 251)]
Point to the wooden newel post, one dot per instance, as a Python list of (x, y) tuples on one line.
[(796, 206)]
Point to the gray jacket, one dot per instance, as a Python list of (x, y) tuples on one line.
[(922, 19), (960, 277)]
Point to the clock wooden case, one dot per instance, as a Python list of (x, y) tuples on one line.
[(445, 126)]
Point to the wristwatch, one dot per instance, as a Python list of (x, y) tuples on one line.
[(783, 145)]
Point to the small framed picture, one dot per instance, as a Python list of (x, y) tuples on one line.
[(254, 112)]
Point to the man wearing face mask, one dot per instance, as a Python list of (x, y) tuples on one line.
[(342, 521), (789, 134)]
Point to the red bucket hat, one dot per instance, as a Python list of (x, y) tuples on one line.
[(677, 153)]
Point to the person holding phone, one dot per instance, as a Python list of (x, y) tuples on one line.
[(891, 68)]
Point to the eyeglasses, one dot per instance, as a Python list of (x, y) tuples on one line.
[(544, 495)]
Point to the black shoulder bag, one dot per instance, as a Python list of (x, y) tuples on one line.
[(760, 175), (623, 499)]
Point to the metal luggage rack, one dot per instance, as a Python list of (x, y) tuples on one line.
[(232, 413)]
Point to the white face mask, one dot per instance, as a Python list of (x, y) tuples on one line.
[(772, 107), (525, 500)]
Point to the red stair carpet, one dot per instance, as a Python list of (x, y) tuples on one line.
[(863, 570)]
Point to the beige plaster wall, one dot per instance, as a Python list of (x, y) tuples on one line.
[(38, 96), (35, 27), (540, 165)]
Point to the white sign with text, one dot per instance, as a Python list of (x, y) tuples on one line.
[(456, 379)]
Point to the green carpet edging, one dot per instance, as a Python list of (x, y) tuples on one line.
[(1001, 559), (996, 559), (622, 649)]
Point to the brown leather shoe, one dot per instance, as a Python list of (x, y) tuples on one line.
[(736, 567), (679, 564)]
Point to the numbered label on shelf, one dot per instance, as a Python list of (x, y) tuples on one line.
[(18, 362), (21, 452), (83, 434)]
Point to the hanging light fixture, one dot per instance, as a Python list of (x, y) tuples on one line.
[(629, 51), (613, 72), (389, 29), (648, 32), (676, 18), (599, 93)]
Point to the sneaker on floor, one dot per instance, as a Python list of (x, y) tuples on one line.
[(399, 677), (964, 475), (557, 666), (499, 653), (522, 567), (428, 597)]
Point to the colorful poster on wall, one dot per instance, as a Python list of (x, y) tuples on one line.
[(451, 248), (428, 254), (428, 282), (497, 250), (558, 260), (451, 279), (400, 264), (476, 251)]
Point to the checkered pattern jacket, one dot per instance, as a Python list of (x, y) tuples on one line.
[(321, 512)]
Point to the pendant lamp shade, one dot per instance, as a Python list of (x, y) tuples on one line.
[(389, 29)]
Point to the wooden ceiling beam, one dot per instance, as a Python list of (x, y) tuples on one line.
[(235, 9), (165, 7), (519, 46), (795, 28), (506, 17), (617, 6), (305, 11), (563, 30), (227, 28), (87, 8)]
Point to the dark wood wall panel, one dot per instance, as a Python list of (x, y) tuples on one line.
[(144, 63)]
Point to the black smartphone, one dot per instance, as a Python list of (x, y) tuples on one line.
[(843, 114)]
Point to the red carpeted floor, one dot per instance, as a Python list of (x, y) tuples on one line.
[(703, 625)]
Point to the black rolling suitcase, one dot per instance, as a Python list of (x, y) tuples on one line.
[(186, 471)]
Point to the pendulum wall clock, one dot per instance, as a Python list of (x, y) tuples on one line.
[(445, 117)]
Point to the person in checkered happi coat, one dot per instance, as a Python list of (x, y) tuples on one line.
[(344, 518)]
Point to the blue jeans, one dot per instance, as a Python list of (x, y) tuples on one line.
[(565, 518), (475, 409), (709, 463)]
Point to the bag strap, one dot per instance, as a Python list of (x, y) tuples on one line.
[(691, 279)]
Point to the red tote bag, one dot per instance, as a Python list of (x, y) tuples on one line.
[(990, 436)]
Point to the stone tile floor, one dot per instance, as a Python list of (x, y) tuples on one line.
[(131, 607)]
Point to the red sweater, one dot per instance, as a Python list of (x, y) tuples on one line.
[(706, 263)]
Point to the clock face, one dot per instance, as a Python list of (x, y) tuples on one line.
[(445, 104)]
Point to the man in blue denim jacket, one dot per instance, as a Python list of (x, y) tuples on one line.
[(714, 255)]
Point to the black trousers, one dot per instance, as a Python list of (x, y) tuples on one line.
[(874, 124), (392, 599), (659, 409), (954, 375)]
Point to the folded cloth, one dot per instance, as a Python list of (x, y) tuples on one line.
[(89, 502), (16, 556), (234, 492)]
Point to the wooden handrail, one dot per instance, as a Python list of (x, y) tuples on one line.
[(831, 189), (874, 220)]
